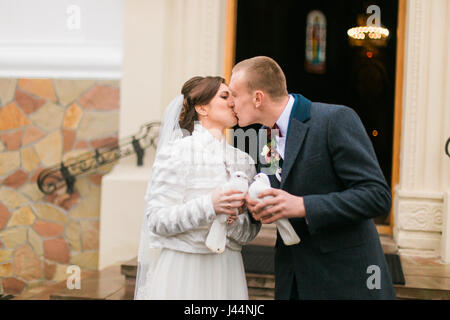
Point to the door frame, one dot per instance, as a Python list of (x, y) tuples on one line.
[(229, 57)]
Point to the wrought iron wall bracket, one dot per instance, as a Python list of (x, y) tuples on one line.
[(68, 178), (139, 151), (65, 173), (447, 147)]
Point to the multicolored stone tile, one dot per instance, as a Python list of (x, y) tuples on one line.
[(30, 159), (57, 250), (64, 200), (48, 229), (22, 217), (49, 270), (28, 103), (69, 90), (7, 89), (4, 215), (16, 179), (36, 242), (5, 269), (72, 116), (39, 87), (49, 212), (10, 160), (13, 237), (97, 124), (49, 149), (73, 234), (11, 117), (11, 198), (103, 142), (27, 264), (101, 98), (13, 285), (32, 134), (12, 140), (88, 208), (89, 234), (49, 117), (88, 260), (43, 122), (5, 255), (68, 139)]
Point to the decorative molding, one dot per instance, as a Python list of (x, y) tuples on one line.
[(420, 216), (59, 61), (419, 195), (412, 84)]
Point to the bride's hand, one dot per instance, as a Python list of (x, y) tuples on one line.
[(232, 218), (226, 202)]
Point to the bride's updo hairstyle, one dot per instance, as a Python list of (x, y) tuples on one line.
[(197, 91)]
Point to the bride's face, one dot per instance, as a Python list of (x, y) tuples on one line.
[(220, 109)]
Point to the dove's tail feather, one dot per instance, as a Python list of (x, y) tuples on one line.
[(217, 236), (287, 232)]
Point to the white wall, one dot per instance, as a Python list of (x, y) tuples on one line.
[(72, 39), (165, 43)]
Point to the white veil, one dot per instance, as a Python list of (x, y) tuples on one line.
[(147, 257)]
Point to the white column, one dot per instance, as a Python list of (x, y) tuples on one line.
[(445, 247), (445, 244), (424, 170), (166, 42)]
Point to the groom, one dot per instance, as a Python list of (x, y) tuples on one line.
[(331, 188)]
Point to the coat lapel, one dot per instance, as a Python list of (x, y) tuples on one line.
[(296, 133)]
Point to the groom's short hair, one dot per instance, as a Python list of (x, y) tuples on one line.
[(263, 73)]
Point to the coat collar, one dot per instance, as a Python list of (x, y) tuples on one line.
[(297, 130), (205, 137)]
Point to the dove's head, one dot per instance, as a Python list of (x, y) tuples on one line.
[(239, 175), (262, 177)]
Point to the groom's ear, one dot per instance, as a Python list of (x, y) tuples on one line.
[(258, 97)]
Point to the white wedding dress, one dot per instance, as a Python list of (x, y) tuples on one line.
[(179, 214)]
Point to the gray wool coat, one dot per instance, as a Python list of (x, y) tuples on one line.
[(330, 162)]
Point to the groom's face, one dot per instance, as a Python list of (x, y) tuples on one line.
[(243, 99)]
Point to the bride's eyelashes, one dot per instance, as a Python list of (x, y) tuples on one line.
[(225, 95)]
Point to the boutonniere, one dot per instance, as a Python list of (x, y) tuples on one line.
[(272, 157)]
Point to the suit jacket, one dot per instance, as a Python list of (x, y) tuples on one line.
[(330, 162)]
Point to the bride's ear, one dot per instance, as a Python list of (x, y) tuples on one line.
[(202, 110)]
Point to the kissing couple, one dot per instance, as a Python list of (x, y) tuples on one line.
[(330, 188)]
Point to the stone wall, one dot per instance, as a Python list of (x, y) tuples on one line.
[(44, 121)]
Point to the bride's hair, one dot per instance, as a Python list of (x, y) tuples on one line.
[(197, 91)]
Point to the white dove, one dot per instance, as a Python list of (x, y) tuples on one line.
[(285, 228), (217, 235)]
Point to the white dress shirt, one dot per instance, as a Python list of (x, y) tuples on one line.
[(179, 205), (283, 123)]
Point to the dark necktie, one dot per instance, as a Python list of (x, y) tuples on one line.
[(275, 126)]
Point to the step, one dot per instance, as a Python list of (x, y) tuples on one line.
[(106, 284), (425, 278), (260, 286)]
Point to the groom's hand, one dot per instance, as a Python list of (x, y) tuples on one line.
[(282, 205)]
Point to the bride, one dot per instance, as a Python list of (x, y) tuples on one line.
[(184, 195)]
